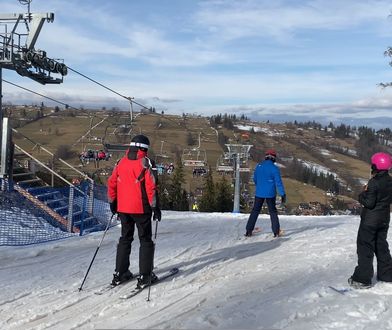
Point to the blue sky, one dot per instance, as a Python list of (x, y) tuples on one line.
[(277, 60)]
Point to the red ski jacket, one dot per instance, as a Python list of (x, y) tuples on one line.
[(133, 184)]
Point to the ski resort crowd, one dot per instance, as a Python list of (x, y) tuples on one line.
[(136, 175)]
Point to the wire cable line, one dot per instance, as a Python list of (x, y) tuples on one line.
[(108, 88), (44, 96), (130, 99)]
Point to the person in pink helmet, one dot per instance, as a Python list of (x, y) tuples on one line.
[(375, 198)]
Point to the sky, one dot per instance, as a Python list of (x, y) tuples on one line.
[(271, 60), (226, 281)]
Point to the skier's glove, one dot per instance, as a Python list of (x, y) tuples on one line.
[(157, 215), (113, 206), (283, 199)]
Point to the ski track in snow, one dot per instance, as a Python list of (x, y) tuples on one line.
[(225, 280)]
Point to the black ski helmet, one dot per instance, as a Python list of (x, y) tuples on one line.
[(140, 141)]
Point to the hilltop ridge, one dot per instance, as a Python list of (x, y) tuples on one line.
[(317, 164)]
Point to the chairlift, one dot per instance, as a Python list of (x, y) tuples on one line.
[(225, 164), (122, 133), (122, 130), (194, 158), (161, 162), (163, 158), (116, 147), (88, 146), (199, 171)]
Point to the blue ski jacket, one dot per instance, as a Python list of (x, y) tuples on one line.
[(267, 179)]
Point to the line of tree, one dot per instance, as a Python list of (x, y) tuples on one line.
[(222, 140), (384, 136), (307, 124), (226, 120), (368, 140), (190, 139), (216, 197), (367, 143), (342, 131), (172, 195), (299, 171)]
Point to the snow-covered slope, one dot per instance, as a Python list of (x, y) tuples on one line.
[(225, 280)]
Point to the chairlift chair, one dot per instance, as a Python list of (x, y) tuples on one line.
[(225, 164), (194, 158)]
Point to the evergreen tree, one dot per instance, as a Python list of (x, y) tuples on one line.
[(224, 202), (190, 140), (208, 200), (342, 131), (164, 196), (367, 144), (184, 203), (176, 192), (222, 140)]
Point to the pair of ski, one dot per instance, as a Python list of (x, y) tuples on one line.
[(258, 230), (137, 289)]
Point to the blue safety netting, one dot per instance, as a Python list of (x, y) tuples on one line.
[(23, 223)]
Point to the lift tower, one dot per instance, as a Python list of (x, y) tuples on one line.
[(18, 36), (239, 156)]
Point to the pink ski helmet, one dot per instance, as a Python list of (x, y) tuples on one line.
[(382, 161)]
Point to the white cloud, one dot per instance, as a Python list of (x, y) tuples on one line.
[(267, 57), (239, 19)]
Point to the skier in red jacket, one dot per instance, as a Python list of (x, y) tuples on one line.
[(132, 193)]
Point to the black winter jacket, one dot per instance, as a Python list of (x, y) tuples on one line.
[(376, 200)]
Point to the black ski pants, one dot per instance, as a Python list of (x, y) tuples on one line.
[(146, 250), (372, 240), (273, 212)]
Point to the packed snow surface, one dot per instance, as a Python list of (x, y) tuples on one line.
[(225, 281)]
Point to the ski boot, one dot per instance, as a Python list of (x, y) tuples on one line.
[(248, 233), (146, 280), (358, 285), (121, 278), (279, 234)]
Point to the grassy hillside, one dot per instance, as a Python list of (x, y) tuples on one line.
[(170, 138)]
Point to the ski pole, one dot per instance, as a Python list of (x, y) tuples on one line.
[(152, 266), (156, 230), (96, 251)]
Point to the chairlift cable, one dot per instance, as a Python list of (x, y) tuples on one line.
[(108, 88), (98, 83), (44, 96)]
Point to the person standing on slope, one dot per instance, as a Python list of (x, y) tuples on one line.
[(267, 179), (373, 229), (132, 193)]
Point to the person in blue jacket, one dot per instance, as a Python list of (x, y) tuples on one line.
[(267, 180)]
